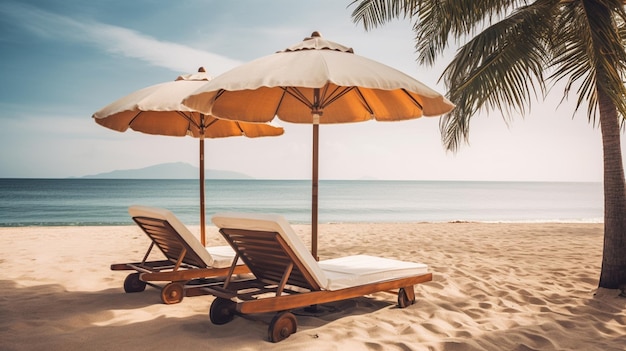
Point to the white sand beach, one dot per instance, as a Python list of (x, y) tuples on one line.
[(495, 287)]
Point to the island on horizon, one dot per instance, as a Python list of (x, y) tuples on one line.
[(172, 170)]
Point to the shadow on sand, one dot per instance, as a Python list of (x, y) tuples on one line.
[(51, 317)]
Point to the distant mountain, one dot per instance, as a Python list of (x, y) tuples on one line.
[(176, 170)]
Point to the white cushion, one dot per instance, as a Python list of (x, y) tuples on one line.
[(330, 274), (223, 256), (349, 271)]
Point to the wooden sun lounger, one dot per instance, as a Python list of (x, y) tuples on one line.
[(187, 266), (286, 276)]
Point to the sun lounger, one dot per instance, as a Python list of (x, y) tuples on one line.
[(187, 266), (286, 276)]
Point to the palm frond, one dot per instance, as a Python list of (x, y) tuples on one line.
[(373, 13), (514, 43), (591, 53), (437, 23), (500, 68)]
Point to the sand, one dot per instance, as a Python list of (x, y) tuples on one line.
[(495, 287)]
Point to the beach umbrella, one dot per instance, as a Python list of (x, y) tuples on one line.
[(317, 81), (158, 110)]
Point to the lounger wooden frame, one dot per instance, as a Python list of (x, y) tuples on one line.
[(183, 269), (283, 283)]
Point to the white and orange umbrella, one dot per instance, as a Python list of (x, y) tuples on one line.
[(158, 110), (317, 81)]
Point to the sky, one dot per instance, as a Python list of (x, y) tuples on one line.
[(63, 60)]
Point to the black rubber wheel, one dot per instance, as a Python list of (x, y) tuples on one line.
[(403, 299), (172, 293), (282, 325), (133, 284), (222, 311)]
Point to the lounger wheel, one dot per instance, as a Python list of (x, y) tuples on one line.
[(132, 283), (282, 325), (222, 311), (172, 293), (404, 300)]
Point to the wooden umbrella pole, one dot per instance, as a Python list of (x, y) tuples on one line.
[(314, 191), (202, 229), (316, 113)]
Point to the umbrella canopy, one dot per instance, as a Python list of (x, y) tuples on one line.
[(317, 81), (158, 110)]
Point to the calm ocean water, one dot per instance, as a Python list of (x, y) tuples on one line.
[(52, 202)]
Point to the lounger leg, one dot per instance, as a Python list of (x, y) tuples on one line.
[(406, 296)]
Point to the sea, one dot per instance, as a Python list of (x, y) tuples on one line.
[(97, 202)]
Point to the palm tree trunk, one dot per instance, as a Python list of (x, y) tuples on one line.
[(613, 272)]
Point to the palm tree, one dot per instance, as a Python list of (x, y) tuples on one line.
[(514, 50)]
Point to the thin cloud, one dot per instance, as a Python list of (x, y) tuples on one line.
[(114, 40)]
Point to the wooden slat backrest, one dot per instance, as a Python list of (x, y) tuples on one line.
[(267, 255), (169, 241)]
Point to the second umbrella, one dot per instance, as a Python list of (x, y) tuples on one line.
[(157, 109)]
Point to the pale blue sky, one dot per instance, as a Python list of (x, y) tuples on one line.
[(62, 60)]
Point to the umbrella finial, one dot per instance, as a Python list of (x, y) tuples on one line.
[(314, 35), (201, 75)]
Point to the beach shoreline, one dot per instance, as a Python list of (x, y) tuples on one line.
[(496, 286)]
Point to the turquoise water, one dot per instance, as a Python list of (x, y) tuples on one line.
[(47, 202)]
